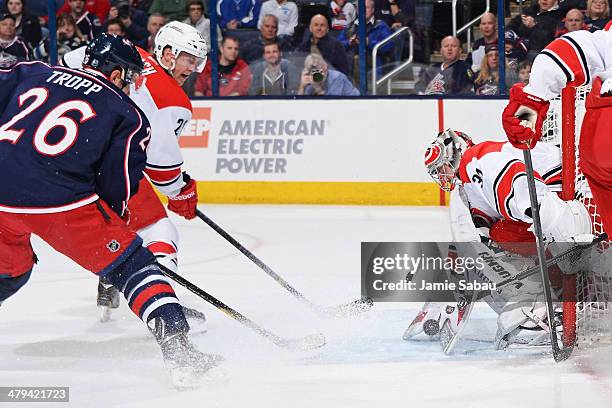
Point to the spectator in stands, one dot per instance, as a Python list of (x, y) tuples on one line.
[(98, 9), (573, 21), (451, 77), (234, 73), (253, 49), (27, 26), (597, 14), (143, 5), (155, 22), (9, 42), (320, 42), (238, 13), (69, 38), (376, 31), (524, 72), (488, 29), (88, 23), (37, 8), (197, 19), (274, 75), (537, 24), (172, 10), (134, 20), (285, 11), (114, 26), (396, 13), (343, 14), (516, 51), (515, 48), (487, 81), (318, 79)]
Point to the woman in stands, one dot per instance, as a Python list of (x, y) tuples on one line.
[(597, 14), (487, 82), (69, 38)]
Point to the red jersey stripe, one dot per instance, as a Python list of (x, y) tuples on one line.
[(568, 55)]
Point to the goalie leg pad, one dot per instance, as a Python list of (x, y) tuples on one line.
[(518, 315)]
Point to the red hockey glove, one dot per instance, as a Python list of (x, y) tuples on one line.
[(523, 117), (185, 202)]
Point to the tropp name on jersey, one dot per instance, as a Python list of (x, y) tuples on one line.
[(75, 82)]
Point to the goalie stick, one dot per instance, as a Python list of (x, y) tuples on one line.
[(348, 309), (559, 354), (309, 342), (568, 253)]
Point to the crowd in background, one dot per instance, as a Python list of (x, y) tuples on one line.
[(282, 47)]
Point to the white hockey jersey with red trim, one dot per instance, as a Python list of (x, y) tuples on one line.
[(573, 59), (169, 110), (494, 178)]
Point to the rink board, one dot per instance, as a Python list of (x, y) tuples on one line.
[(325, 151)]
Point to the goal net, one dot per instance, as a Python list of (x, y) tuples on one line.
[(588, 319)]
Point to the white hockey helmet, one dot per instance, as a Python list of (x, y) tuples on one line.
[(181, 37), (442, 157)]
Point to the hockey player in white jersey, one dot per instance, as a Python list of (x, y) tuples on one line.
[(179, 50), (490, 199), (575, 59)]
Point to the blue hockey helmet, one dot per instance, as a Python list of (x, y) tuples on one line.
[(108, 52)]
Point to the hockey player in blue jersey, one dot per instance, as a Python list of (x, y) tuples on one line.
[(72, 152)]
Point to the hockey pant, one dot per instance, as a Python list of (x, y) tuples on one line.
[(513, 303), (148, 217), (595, 147), (98, 240)]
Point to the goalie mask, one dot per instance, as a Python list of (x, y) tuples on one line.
[(442, 157)]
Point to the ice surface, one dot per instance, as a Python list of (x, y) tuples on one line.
[(50, 335)]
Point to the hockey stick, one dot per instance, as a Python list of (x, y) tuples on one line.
[(574, 250), (309, 342), (348, 309), (559, 354)]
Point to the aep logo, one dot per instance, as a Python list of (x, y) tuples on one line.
[(195, 133)]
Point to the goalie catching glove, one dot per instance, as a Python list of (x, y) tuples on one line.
[(186, 201), (522, 119), (564, 221)]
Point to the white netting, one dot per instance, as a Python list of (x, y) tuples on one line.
[(593, 288)]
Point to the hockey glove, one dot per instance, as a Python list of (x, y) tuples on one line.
[(523, 117), (185, 202)]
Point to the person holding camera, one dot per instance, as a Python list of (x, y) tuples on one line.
[(318, 79), (134, 20)]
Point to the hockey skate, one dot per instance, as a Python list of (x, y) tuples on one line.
[(108, 299), (185, 362)]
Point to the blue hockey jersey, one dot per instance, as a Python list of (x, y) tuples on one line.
[(67, 138)]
